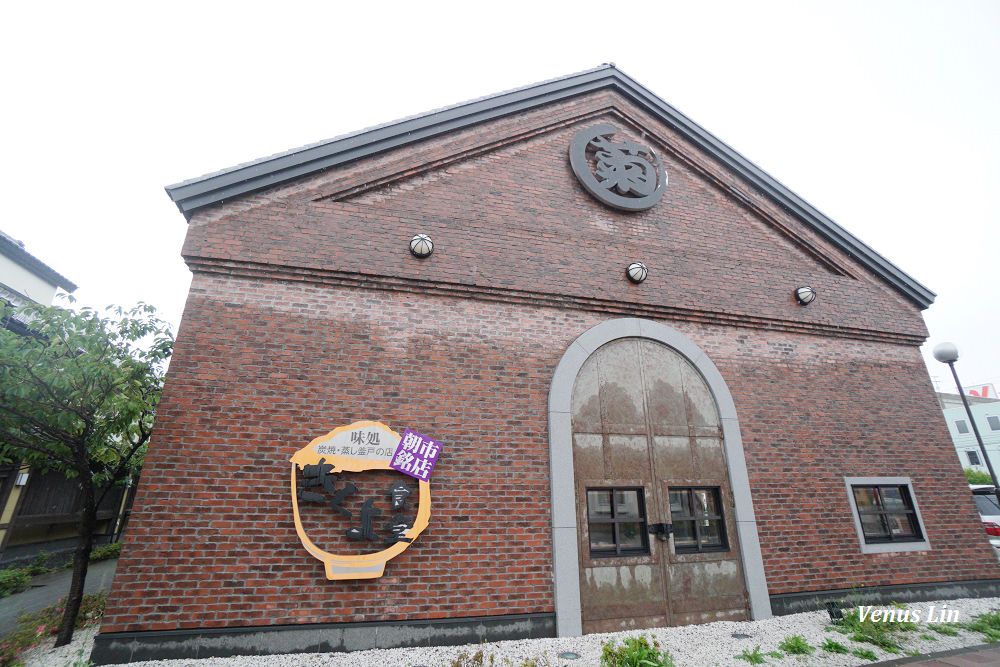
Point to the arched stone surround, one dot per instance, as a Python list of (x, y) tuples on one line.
[(566, 569)]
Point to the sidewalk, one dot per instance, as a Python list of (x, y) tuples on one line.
[(47, 589), (972, 656)]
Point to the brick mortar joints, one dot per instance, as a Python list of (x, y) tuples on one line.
[(742, 199), (345, 193), (252, 270), (348, 192)]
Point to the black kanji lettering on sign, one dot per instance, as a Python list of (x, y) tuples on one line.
[(398, 527), (368, 512), (399, 493)]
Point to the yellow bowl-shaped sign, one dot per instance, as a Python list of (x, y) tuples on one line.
[(364, 445)]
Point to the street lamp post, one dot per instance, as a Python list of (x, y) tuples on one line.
[(947, 353)]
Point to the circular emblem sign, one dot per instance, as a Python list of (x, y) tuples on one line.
[(319, 472), (622, 174)]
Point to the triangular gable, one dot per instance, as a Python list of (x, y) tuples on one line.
[(212, 189)]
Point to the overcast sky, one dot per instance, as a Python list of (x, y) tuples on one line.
[(881, 114)]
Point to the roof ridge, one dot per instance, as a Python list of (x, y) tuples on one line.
[(379, 126)]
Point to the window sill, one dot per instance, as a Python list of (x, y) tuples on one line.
[(895, 547)]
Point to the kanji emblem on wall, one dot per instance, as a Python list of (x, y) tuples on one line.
[(359, 502), (416, 455), (622, 173)]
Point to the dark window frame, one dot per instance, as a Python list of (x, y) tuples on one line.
[(884, 547), (910, 513), (615, 521), (696, 518)]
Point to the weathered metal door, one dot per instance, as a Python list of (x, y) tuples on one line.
[(658, 542)]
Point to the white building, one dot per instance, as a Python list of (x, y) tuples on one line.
[(35, 508), (25, 278), (987, 416)]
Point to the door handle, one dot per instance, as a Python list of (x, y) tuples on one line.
[(661, 530)]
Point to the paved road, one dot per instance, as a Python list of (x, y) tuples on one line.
[(47, 589)]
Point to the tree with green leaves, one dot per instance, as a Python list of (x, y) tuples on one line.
[(78, 393), (977, 476)]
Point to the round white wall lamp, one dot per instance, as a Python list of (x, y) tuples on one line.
[(805, 295), (636, 272), (421, 246)]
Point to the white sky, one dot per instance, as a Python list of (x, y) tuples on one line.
[(882, 114)]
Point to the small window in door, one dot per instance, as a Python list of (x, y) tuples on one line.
[(699, 524), (616, 521), (973, 458)]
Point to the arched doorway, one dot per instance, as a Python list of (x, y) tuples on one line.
[(644, 439)]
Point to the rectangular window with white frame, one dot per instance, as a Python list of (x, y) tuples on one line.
[(973, 458), (962, 426), (994, 422), (886, 515)]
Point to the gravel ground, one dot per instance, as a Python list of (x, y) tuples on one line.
[(690, 646)]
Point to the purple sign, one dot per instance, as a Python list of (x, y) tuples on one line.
[(415, 455)]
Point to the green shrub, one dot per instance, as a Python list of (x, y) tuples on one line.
[(883, 640), (33, 629), (831, 646), (991, 635), (13, 581), (853, 621), (478, 659), (943, 629), (977, 477), (865, 653), (530, 662), (753, 657), (39, 565), (929, 637), (634, 652), (796, 645), (990, 619), (106, 552), (880, 633), (988, 624), (464, 660)]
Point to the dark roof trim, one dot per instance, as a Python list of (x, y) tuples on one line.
[(197, 193), (16, 252)]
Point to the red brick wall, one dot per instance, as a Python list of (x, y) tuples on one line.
[(307, 312), (814, 411)]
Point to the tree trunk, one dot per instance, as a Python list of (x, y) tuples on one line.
[(81, 561)]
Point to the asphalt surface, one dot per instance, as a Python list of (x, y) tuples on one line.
[(47, 589)]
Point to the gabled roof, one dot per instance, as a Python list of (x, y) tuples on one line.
[(14, 250), (196, 193)]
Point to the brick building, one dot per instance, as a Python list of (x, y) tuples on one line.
[(616, 453)]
